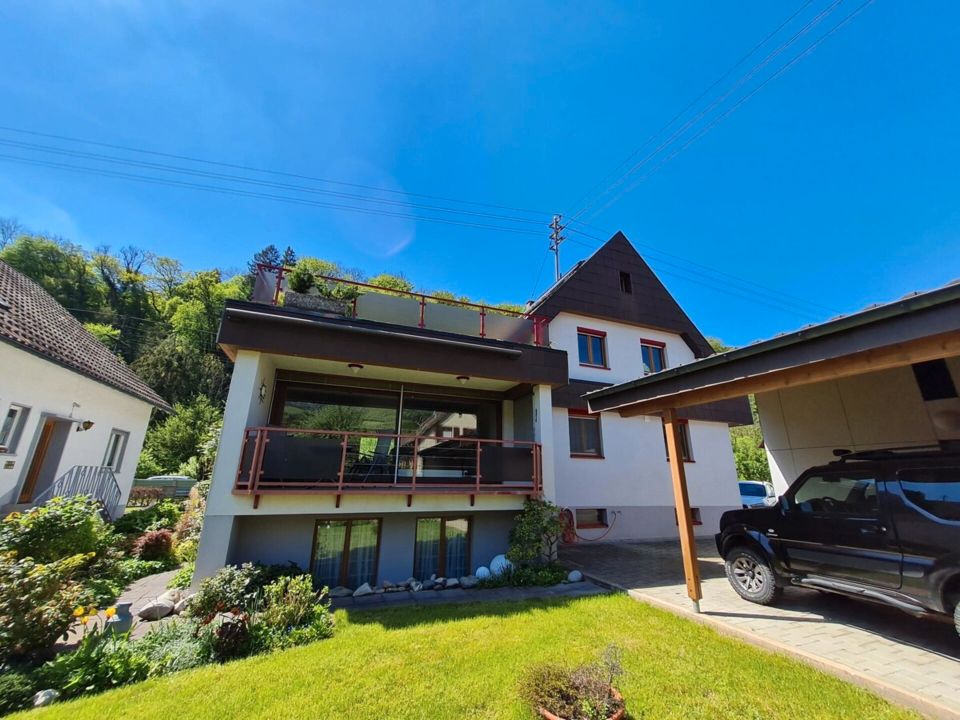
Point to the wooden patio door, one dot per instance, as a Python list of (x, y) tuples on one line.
[(36, 465)]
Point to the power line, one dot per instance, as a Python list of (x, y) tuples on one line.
[(588, 196), (252, 181), (250, 168), (265, 196), (807, 27)]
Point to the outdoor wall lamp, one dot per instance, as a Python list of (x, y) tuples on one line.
[(84, 426), (263, 391), (463, 379), (355, 367)]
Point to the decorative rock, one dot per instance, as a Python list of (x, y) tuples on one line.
[(387, 585), (181, 605), (416, 586), (175, 595), (469, 581), (364, 589), (482, 572), (499, 565), (155, 610), (453, 582), (379, 591), (434, 577), (575, 576), (45, 697), (410, 581), (341, 591), (427, 584)]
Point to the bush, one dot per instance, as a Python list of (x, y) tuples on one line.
[(154, 545), (526, 576), (144, 496), (228, 637), (36, 603), (163, 515), (301, 280), (186, 550), (17, 688), (100, 662), (173, 646), (581, 693), (183, 578), (236, 588), (59, 528), (534, 537), (293, 614)]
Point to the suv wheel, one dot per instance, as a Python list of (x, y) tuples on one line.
[(751, 576)]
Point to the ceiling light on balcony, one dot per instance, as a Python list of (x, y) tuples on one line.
[(463, 379), (355, 367)]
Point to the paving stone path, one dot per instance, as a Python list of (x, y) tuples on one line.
[(907, 659)]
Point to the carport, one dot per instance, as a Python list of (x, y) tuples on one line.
[(879, 378)]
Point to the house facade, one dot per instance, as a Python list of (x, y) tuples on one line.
[(383, 435), (73, 414)]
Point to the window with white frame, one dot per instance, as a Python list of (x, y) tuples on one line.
[(116, 446), (11, 428), (654, 356)]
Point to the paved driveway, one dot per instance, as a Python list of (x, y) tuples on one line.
[(908, 660)]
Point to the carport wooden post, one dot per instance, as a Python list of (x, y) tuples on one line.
[(681, 501)]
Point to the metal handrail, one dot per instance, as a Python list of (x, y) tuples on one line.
[(95, 481), (249, 478)]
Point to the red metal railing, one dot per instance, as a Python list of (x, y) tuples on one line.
[(295, 461), (270, 284)]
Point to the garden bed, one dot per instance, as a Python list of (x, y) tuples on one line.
[(466, 661)]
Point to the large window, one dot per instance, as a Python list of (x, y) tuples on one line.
[(686, 446), (11, 427), (585, 438), (838, 493), (933, 490), (345, 552), (116, 446), (654, 358), (442, 547), (592, 347)]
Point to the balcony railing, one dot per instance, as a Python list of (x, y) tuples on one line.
[(295, 461), (370, 302)]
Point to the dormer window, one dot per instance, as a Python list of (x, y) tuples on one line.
[(626, 283), (592, 347), (654, 356)]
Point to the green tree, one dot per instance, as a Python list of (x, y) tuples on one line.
[(391, 282), (105, 333), (180, 436), (179, 371)]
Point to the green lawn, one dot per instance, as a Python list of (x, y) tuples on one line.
[(464, 661)]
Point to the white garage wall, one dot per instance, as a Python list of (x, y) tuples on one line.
[(802, 426), (50, 389)]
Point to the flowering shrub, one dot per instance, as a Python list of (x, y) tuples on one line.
[(59, 528), (186, 550), (236, 588), (293, 613), (36, 603), (154, 545)]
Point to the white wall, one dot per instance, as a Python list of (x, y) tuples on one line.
[(802, 426), (50, 389), (634, 473), (624, 357)]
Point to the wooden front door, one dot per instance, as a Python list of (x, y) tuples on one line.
[(36, 465)]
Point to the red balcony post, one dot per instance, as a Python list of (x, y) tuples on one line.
[(478, 466), (423, 309), (243, 450), (355, 308), (276, 292), (483, 321), (413, 469), (343, 463)]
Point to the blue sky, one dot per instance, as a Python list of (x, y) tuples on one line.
[(835, 184)]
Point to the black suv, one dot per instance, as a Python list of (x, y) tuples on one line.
[(881, 525)]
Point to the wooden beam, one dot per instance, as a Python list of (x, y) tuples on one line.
[(884, 358), (681, 501)]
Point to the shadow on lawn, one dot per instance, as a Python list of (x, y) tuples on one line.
[(394, 618)]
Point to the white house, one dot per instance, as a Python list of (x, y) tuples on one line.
[(395, 434), (73, 414)]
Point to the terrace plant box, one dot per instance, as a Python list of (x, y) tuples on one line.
[(618, 714), (314, 303)]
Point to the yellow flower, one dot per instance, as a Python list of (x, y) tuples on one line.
[(79, 612), (12, 516), (110, 612)]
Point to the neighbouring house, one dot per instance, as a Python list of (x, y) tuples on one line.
[(372, 434), (73, 414)]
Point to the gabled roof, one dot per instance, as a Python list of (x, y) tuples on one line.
[(592, 288), (33, 321)]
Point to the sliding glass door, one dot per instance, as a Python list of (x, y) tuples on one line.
[(345, 552)]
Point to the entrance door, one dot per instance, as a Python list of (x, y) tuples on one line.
[(836, 527), (36, 464)]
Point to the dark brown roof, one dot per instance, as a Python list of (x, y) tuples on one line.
[(592, 288), (33, 321)]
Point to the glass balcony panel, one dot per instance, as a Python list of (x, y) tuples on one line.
[(388, 309)]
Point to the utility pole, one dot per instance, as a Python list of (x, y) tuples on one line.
[(555, 239)]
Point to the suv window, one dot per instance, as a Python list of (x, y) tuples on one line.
[(842, 494), (934, 490), (752, 490)]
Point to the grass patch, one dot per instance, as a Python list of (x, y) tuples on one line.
[(464, 661)]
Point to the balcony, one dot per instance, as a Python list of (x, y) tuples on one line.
[(348, 298), (292, 461)]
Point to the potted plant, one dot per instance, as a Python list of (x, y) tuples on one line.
[(585, 692), (302, 293)]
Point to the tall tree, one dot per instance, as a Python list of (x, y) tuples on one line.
[(10, 230)]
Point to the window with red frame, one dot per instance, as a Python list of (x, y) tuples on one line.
[(592, 347), (585, 435), (654, 356), (686, 449)]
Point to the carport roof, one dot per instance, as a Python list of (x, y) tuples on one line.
[(918, 327)]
